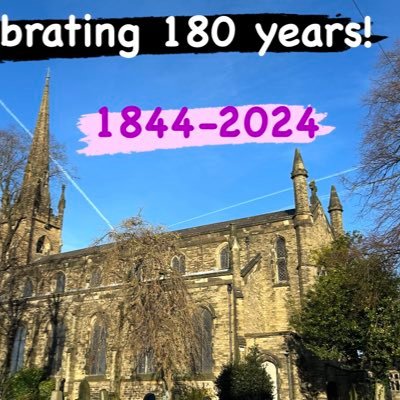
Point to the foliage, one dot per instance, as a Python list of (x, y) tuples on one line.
[(245, 380), (187, 392), (351, 313), (378, 178), (28, 384), (158, 316)]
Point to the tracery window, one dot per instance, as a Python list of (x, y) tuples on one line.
[(224, 257), (56, 346), (95, 278), (60, 283), (146, 363), (28, 288), (98, 348), (281, 260), (394, 381), (179, 264), (18, 349)]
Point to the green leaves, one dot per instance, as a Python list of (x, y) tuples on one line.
[(351, 314), (28, 384), (245, 380)]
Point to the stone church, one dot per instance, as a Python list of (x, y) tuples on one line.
[(242, 272)]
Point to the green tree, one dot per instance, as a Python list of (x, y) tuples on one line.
[(28, 384), (351, 313), (245, 380)]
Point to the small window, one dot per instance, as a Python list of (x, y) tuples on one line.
[(98, 349), (60, 283), (95, 278), (43, 245), (28, 288), (40, 245), (178, 264), (146, 363), (18, 350), (224, 257), (281, 260)]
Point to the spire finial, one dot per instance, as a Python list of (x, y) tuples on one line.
[(334, 201), (298, 165)]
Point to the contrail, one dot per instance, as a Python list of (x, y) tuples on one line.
[(346, 171), (60, 167)]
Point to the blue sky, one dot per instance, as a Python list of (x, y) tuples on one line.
[(170, 186)]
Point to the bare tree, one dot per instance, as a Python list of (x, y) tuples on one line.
[(379, 175), (15, 284), (158, 315)]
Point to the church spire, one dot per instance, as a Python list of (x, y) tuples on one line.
[(335, 210), (35, 187)]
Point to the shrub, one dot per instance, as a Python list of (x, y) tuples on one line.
[(28, 384), (245, 380)]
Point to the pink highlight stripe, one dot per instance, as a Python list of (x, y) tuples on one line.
[(90, 125)]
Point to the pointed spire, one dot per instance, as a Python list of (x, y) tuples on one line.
[(335, 210), (334, 201), (36, 176), (298, 165), (61, 202)]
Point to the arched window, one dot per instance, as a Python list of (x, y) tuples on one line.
[(272, 371), (28, 288), (56, 346), (178, 263), (98, 349), (18, 349), (224, 257), (43, 245), (205, 332), (60, 283), (146, 363), (281, 260), (40, 244), (95, 278)]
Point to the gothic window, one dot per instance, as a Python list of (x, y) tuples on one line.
[(281, 260), (224, 257), (146, 363), (60, 283), (178, 264), (57, 342), (95, 278), (205, 362), (40, 245), (28, 288), (98, 349), (18, 349), (43, 245), (272, 371), (394, 381)]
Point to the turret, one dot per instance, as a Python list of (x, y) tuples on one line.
[(335, 210), (299, 177), (303, 223)]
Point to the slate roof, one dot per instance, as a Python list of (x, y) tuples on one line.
[(198, 230)]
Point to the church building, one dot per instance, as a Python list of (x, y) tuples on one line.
[(241, 272)]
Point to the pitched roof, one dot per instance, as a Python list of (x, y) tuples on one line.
[(197, 230)]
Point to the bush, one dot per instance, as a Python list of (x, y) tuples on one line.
[(186, 392), (245, 380), (28, 384)]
